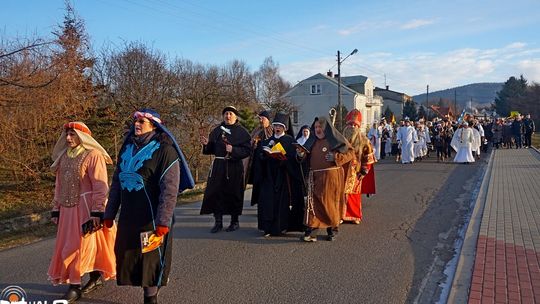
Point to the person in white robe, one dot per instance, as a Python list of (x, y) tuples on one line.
[(427, 128), (374, 136), (407, 136), (477, 142), (388, 143), (479, 137), (463, 143), (420, 147)]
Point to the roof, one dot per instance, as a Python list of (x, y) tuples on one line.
[(352, 80), (377, 89), (320, 76)]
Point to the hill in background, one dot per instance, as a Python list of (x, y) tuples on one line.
[(478, 93)]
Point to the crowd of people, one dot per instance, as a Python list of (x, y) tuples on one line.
[(301, 182), (467, 137)]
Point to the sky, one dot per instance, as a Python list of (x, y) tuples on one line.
[(406, 45)]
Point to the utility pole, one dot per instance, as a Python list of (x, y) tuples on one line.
[(427, 102), (455, 102), (339, 90), (339, 110)]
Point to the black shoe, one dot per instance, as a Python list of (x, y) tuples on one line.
[(150, 300), (217, 227), (92, 285), (331, 237), (73, 294), (233, 226)]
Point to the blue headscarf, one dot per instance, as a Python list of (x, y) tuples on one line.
[(186, 179)]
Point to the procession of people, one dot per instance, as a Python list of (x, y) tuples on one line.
[(301, 183)]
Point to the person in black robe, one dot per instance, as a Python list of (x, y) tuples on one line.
[(224, 193), (261, 133), (281, 201), (151, 171)]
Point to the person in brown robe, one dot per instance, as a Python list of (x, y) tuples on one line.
[(328, 152)]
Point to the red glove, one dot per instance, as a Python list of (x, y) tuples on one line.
[(161, 230), (108, 223)]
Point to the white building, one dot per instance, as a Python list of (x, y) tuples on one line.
[(316, 95)]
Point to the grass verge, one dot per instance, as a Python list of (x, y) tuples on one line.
[(39, 232), (535, 140), (26, 236)]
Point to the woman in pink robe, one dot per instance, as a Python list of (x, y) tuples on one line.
[(79, 202)]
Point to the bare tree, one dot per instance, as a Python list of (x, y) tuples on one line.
[(270, 86)]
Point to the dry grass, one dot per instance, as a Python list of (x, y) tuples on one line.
[(536, 140), (26, 236), (19, 199)]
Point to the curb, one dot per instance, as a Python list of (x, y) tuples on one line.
[(459, 292)]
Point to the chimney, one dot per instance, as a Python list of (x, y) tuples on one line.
[(387, 87), (330, 74)]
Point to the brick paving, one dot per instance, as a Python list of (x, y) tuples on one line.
[(507, 262)]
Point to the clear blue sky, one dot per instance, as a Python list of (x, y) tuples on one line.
[(414, 43)]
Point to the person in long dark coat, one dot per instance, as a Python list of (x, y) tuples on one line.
[(497, 130), (281, 201), (224, 194), (529, 128), (517, 131), (150, 173), (261, 133), (448, 131)]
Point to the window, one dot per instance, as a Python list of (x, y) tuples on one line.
[(295, 116), (315, 89)]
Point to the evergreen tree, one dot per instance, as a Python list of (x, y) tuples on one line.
[(409, 110), (388, 114), (422, 113), (247, 119), (344, 113), (512, 88), (74, 63)]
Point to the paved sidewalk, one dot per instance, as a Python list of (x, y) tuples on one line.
[(502, 265)]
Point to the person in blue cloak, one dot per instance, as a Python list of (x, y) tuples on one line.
[(150, 173)]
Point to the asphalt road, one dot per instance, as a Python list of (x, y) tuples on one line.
[(396, 255)]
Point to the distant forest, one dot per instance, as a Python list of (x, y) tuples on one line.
[(478, 93)]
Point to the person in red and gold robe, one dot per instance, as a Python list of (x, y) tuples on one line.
[(358, 173)]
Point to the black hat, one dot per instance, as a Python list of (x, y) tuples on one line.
[(231, 109), (265, 114), (281, 119)]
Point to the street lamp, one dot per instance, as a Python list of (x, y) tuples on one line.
[(339, 61)]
